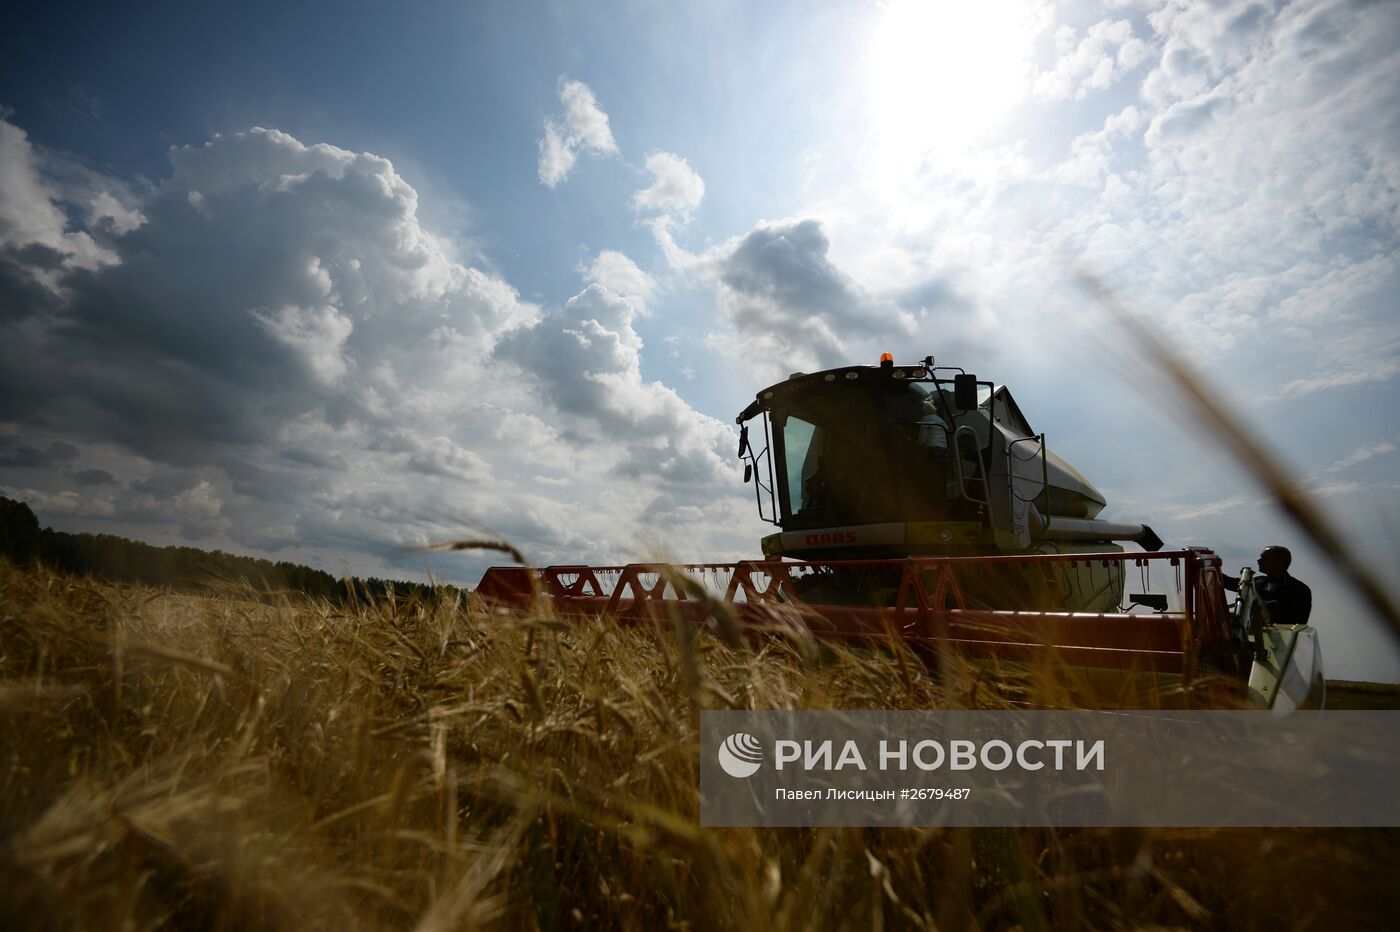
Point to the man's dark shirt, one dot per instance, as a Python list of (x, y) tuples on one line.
[(1288, 601)]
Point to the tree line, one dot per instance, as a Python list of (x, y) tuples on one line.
[(117, 559)]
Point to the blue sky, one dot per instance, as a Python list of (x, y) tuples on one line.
[(325, 282)]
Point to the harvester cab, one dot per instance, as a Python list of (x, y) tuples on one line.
[(913, 460)]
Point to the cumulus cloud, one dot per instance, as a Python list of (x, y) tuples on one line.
[(557, 157), (583, 128), (264, 266), (1108, 51), (107, 209), (620, 275), (587, 359), (585, 120), (27, 211), (94, 477), (316, 334), (1094, 155), (62, 452), (1253, 190), (29, 217), (574, 352), (276, 354), (442, 456), (788, 305), (675, 186), (15, 452)]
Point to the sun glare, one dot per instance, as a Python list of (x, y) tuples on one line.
[(942, 74)]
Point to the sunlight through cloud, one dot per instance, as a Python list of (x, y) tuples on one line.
[(941, 75)]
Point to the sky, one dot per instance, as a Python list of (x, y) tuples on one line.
[(329, 282)]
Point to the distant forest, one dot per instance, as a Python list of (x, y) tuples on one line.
[(117, 559)]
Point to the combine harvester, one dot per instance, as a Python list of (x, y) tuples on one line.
[(916, 502)]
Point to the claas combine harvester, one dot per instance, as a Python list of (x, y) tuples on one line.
[(916, 502)]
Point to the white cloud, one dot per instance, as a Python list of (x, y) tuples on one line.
[(788, 307), (557, 157), (67, 502), (1093, 155), (585, 120), (675, 186), (620, 275), (1260, 203), (1381, 370), (1108, 51), (583, 128), (107, 207), (1207, 509), (587, 359), (281, 357), (30, 218), (27, 211), (317, 334), (1362, 454), (1331, 489), (442, 456)]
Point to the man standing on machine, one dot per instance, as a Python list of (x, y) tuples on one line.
[(1286, 600)]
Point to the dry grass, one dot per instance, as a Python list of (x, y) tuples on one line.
[(221, 762)]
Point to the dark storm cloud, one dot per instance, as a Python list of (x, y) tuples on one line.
[(165, 484), (17, 453), (94, 477), (22, 294), (36, 256), (61, 451)]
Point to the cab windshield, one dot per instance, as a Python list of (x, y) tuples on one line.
[(870, 454), (831, 446)]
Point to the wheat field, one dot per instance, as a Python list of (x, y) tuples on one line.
[(246, 760)]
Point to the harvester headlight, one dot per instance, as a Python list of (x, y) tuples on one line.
[(945, 535), (898, 373), (852, 375), (830, 377), (919, 374)]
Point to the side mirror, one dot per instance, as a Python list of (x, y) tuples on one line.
[(965, 391), (748, 471)]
